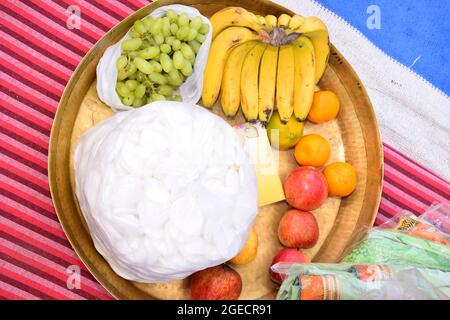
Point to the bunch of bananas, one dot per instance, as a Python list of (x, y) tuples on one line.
[(262, 63)]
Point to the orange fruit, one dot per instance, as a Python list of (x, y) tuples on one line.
[(312, 150), (325, 107), (249, 251), (288, 134), (341, 179)]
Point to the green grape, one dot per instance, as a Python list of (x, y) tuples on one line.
[(131, 84), (187, 51), (169, 40), (157, 58), (128, 100), (133, 33), (195, 45), (166, 62), (156, 26), (131, 44), (143, 65), (176, 45), (172, 15), (196, 23), (177, 98), (166, 27), (165, 90), (187, 69), (175, 78), (157, 78), (200, 38), (145, 44), (178, 60), (183, 20), (192, 60), (156, 66), (173, 28), (121, 62), (132, 54), (182, 33), (132, 76), (159, 38), (165, 48), (139, 26), (130, 68), (122, 75), (158, 97), (138, 102), (204, 29), (122, 89), (192, 34), (140, 76), (139, 92), (148, 53), (148, 23)]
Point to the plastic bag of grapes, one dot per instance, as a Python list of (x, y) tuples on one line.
[(162, 57)]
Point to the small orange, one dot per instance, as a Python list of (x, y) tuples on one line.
[(325, 107), (341, 179), (312, 150)]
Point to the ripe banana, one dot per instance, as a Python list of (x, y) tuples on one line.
[(296, 21), (231, 81), (218, 54), (271, 21), (317, 32), (261, 20), (283, 20), (285, 83), (304, 77), (267, 83), (234, 16), (249, 82)]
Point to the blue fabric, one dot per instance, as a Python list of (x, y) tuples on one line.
[(409, 29)]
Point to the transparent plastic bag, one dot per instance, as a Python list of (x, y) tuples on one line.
[(190, 91), (346, 281), (407, 257)]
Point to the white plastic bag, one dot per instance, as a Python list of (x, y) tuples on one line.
[(190, 91), (166, 190)]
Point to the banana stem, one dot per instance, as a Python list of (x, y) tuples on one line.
[(278, 36)]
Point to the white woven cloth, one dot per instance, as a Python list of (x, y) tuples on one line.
[(414, 116)]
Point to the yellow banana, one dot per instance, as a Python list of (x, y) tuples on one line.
[(296, 21), (283, 20), (234, 16), (231, 81), (304, 77), (317, 32), (267, 83), (218, 54), (285, 83), (249, 82), (271, 21), (261, 20)]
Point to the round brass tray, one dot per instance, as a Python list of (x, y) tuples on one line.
[(354, 137)]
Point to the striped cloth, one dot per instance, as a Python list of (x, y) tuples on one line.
[(38, 54)]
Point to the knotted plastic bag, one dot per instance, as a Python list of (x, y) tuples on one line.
[(190, 91)]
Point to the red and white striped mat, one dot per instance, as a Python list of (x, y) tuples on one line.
[(38, 54)]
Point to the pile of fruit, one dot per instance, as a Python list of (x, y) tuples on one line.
[(306, 189), (158, 57), (265, 63)]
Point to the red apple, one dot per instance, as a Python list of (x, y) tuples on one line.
[(298, 229), (216, 283), (287, 255), (306, 188)]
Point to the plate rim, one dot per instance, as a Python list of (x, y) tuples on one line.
[(52, 177)]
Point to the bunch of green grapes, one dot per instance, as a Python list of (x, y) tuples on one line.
[(158, 57)]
